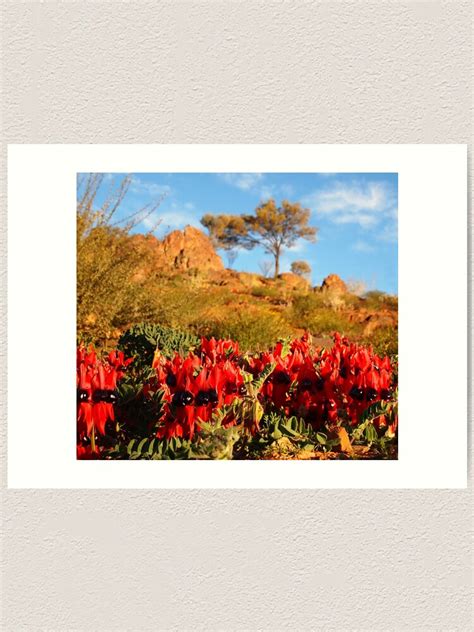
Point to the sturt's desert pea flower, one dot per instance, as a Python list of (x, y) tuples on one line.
[(96, 382), (324, 386)]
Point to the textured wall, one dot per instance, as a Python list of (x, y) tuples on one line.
[(190, 72)]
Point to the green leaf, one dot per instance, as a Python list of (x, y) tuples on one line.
[(321, 437), (371, 434), (126, 392), (141, 444), (288, 430), (258, 383)]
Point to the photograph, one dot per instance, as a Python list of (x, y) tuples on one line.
[(237, 316)]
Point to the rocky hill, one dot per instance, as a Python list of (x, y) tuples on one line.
[(190, 251), (181, 251)]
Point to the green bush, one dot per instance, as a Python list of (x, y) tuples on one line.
[(384, 341), (253, 329), (179, 306), (311, 312), (141, 341), (265, 292), (379, 300), (326, 321)]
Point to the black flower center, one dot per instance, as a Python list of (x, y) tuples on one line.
[(202, 398), (183, 398), (213, 396), (281, 377), (371, 394), (105, 395), (357, 393), (82, 395)]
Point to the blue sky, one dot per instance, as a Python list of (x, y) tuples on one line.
[(356, 214)]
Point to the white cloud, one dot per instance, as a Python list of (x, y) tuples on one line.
[(258, 184), (169, 220), (150, 188), (151, 221), (363, 204), (175, 216), (362, 246), (243, 181)]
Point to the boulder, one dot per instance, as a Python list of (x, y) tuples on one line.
[(188, 249), (293, 281), (334, 284), (379, 320), (181, 250)]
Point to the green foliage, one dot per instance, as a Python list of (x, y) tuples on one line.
[(215, 442), (310, 311), (366, 432), (283, 437), (152, 449), (145, 412), (253, 329), (181, 305), (384, 341), (266, 291), (380, 300), (142, 340)]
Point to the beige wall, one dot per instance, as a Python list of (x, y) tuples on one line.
[(194, 72)]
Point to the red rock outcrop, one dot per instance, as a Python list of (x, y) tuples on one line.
[(181, 250), (293, 281), (334, 284)]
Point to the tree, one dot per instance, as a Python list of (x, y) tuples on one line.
[(272, 227), (302, 269), (109, 295)]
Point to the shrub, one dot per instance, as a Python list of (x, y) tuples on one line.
[(253, 329), (315, 313), (302, 269), (109, 295), (179, 306), (384, 341), (379, 300), (326, 321), (266, 292), (141, 341)]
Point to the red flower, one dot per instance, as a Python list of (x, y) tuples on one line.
[(96, 389)]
